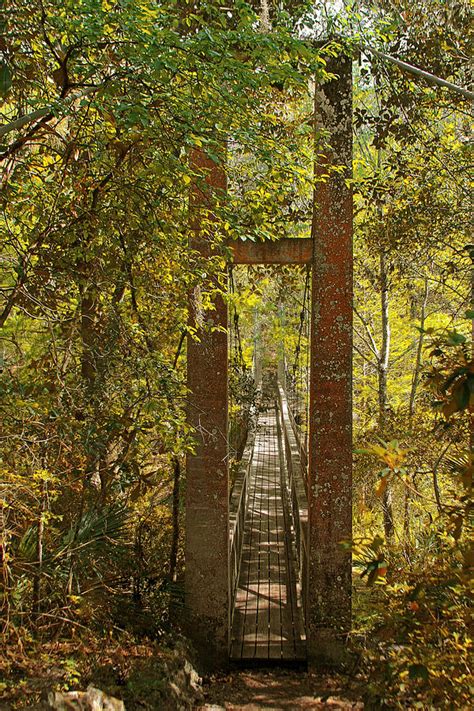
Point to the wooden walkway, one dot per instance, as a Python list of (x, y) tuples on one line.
[(267, 619)]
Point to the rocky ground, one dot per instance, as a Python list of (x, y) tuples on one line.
[(67, 676), (278, 690)]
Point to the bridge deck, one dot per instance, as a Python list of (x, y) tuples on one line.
[(267, 621)]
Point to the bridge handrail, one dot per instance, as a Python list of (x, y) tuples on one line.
[(237, 512), (301, 448), (301, 444), (299, 498)]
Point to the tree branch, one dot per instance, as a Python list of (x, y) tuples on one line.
[(39, 113), (373, 347), (430, 78)]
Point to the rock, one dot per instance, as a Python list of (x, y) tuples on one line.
[(184, 683), (194, 679), (91, 700)]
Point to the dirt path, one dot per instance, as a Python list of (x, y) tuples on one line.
[(278, 690)]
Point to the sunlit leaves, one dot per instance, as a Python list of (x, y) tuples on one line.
[(392, 456), (451, 376), (369, 557)]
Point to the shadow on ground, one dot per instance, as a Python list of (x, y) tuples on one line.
[(280, 690)]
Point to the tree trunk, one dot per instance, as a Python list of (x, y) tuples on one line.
[(173, 563), (36, 602), (387, 506), (89, 318), (91, 362), (412, 402), (419, 353), (5, 606), (265, 23), (471, 409)]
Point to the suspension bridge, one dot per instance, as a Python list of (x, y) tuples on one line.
[(268, 516), (266, 577), (268, 505)]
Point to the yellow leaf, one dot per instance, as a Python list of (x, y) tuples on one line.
[(381, 486)]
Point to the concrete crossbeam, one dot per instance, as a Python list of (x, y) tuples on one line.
[(283, 251)]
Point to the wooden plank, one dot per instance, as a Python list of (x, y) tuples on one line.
[(276, 631), (261, 646), (277, 582), (283, 251), (266, 601), (247, 641)]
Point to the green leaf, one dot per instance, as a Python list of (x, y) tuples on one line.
[(455, 338)]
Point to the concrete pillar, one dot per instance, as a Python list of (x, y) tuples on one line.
[(330, 440), (207, 495)]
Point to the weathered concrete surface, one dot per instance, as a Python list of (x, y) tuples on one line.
[(284, 251), (330, 441), (207, 525)]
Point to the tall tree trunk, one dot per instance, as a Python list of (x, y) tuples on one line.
[(419, 353), (90, 364), (36, 601), (412, 402), (265, 23), (471, 409), (5, 604), (89, 318), (175, 529), (387, 506)]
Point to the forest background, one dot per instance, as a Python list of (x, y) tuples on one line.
[(102, 103)]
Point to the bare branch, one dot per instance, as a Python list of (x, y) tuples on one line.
[(431, 78)]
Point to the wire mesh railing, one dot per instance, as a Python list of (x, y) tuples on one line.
[(242, 390), (242, 411), (296, 378)]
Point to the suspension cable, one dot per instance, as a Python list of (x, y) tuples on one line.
[(237, 338), (302, 323)]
